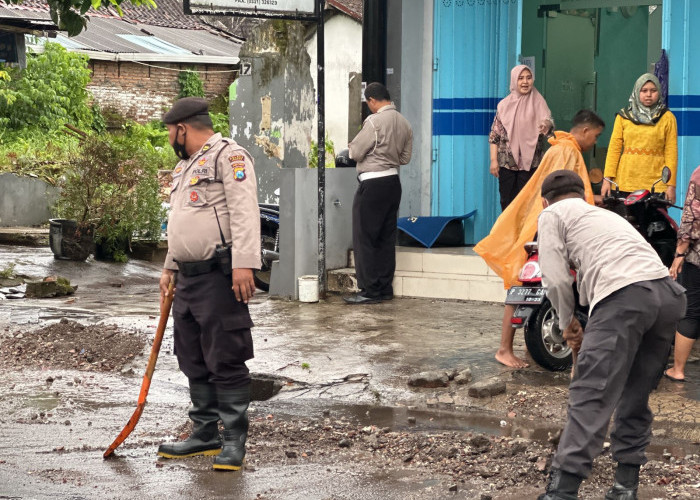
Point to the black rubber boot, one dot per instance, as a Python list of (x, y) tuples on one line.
[(561, 486), (205, 439), (626, 483), (233, 410)]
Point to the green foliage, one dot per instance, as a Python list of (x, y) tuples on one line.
[(305, 366), (8, 271), (33, 152), (219, 104), (191, 85), (113, 185), (49, 92), (330, 154), (221, 124)]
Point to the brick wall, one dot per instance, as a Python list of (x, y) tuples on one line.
[(142, 93)]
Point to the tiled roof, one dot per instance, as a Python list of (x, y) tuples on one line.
[(352, 8), (162, 34), (168, 13)]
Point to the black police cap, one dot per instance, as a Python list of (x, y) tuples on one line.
[(185, 108), (562, 182)]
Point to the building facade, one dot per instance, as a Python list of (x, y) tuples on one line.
[(449, 61)]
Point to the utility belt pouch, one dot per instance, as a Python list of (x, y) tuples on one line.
[(223, 251), (223, 257), (190, 269)]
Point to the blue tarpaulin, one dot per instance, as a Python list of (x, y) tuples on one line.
[(426, 230)]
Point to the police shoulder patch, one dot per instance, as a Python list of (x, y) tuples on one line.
[(238, 171)]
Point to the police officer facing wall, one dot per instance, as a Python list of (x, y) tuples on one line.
[(384, 143), (213, 247)]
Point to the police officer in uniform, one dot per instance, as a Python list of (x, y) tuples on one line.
[(384, 143), (634, 308), (213, 247)]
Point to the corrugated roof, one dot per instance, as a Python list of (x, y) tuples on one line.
[(102, 34), (195, 39)]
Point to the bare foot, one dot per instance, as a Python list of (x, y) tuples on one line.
[(509, 359)]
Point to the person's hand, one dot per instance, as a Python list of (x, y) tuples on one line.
[(545, 127), (243, 284), (574, 335), (605, 188), (676, 267), (166, 277), (671, 194), (494, 168)]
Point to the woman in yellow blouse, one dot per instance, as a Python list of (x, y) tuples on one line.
[(644, 140)]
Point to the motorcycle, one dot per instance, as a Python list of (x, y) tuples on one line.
[(647, 211), (269, 244)]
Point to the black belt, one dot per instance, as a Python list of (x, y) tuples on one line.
[(198, 267)]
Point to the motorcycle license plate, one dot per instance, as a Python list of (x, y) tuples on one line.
[(519, 295)]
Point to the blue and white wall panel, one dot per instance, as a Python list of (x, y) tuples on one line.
[(476, 43), (681, 40)]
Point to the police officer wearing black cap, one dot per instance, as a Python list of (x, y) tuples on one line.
[(213, 247), (634, 307)]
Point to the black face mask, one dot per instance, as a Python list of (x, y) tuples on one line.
[(180, 150)]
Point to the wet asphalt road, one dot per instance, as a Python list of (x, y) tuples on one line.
[(318, 345)]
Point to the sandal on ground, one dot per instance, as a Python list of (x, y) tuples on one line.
[(673, 378)]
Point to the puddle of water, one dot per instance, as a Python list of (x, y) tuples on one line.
[(42, 402)]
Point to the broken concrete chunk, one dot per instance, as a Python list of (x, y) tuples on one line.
[(463, 377), (51, 286), (41, 289), (487, 388), (428, 379)]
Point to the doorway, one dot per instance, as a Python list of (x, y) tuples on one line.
[(590, 57)]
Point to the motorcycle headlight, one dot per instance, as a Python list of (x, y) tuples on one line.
[(530, 271)]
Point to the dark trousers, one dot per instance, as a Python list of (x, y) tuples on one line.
[(212, 331), (374, 212), (510, 183), (689, 326), (624, 351)]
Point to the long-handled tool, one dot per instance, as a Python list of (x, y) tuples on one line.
[(150, 368)]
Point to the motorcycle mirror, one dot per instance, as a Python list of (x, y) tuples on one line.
[(666, 174), (595, 175)]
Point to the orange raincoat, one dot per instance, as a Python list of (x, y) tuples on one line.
[(503, 249)]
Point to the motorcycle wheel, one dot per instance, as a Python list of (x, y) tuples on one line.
[(268, 241), (545, 342)]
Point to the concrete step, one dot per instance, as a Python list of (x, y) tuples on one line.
[(445, 273)]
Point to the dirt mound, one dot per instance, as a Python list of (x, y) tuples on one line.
[(70, 345)]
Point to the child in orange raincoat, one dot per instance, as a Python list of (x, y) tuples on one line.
[(503, 249)]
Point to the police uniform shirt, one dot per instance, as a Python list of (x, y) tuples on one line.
[(606, 251), (385, 141), (220, 175)]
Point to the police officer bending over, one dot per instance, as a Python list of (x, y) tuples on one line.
[(634, 307), (213, 247)]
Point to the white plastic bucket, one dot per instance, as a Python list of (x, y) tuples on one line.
[(308, 288)]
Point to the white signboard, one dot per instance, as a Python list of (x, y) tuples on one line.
[(253, 7)]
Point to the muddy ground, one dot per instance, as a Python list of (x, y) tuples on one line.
[(345, 424)]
